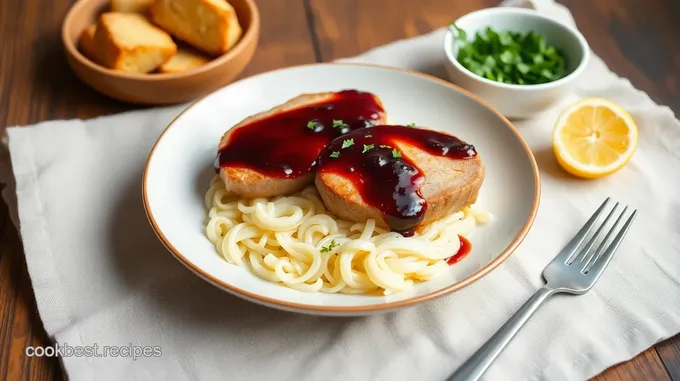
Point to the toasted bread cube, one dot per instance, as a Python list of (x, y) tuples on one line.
[(209, 25), (131, 6), (86, 43), (129, 42), (185, 59)]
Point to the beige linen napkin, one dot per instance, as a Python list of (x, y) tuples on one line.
[(102, 278)]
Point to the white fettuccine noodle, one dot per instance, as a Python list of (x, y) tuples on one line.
[(295, 241)]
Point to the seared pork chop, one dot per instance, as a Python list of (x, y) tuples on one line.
[(401, 177), (274, 152)]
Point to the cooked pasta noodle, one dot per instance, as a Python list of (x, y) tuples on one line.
[(294, 240)]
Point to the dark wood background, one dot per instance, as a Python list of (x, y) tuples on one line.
[(637, 39)]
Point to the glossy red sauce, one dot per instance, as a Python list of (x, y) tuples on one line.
[(463, 251), (287, 144), (384, 176)]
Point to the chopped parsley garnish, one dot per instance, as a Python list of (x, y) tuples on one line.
[(347, 143), (396, 154), (330, 247), (339, 124), (384, 146), (368, 147), (411, 125), (313, 124), (510, 57), (335, 154)]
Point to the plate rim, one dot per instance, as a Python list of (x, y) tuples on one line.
[(375, 307)]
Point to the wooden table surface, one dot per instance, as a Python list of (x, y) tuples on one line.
[(633, 37)]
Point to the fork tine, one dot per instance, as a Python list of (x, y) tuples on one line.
[(570, 249), (583, 254), (601, 261), (603, 244)]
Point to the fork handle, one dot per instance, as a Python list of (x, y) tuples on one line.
[(476, 365)]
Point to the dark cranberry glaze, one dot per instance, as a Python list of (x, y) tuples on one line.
[(463, 251), (287, 144), (384, 176)]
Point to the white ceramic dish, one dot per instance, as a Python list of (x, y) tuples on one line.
[(180, 167), (518, 101)]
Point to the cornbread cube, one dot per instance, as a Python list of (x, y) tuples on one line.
[(86, 43), (185, 59), (209, 25), (129, 42), (131, 6)]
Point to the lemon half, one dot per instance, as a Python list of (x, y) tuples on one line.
[(594, 137)]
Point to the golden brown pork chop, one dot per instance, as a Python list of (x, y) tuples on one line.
[(250, 183), (449, 186)]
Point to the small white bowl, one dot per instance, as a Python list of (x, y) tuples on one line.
[(518, 101)]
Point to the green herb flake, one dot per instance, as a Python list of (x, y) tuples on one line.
[(396, 154), (368, 147), (329, 247), (384, 146), (335, 154), (313, 124), (339, 124), (509, 57), (347, 143), (523, 68), (460, 34)]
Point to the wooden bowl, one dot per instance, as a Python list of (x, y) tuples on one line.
[(158, 88)]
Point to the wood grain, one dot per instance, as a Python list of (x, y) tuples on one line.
[(21, 324), (669, 352), (637, 40), (36, 81), (646, 366), (347, 28), (284, 39)]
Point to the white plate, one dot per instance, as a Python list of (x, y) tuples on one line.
[(180, 167)]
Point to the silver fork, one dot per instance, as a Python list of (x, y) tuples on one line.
[(574, 270)]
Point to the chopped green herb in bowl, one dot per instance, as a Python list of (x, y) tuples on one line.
[(516, 60), (510, 57)]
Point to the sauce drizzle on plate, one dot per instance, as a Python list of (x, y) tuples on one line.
[(463, 251)]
